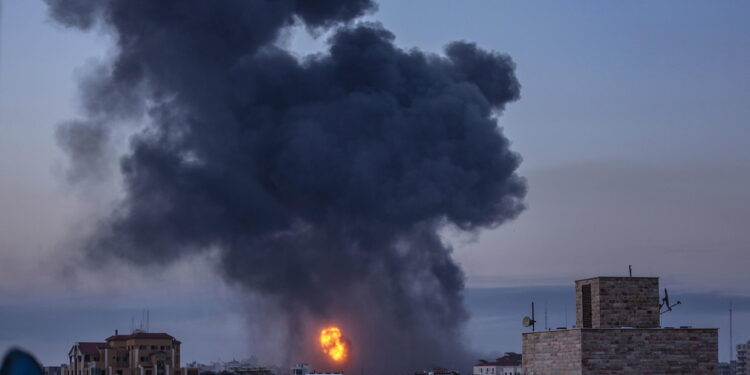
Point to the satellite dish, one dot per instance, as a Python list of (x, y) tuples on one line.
[(528, 322)]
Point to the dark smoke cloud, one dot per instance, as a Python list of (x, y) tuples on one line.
[(322, 181)]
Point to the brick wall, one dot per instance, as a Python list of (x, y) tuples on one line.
[(621, 352), (621, 302), (552, 352), (650, 351)]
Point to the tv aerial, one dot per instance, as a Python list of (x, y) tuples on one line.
[(665, 303), (530, 322)]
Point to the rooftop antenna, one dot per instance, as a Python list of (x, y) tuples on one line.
[(147, 322), (565, 308), (665, 303), (630, 270), (530, 322), (545, 316)]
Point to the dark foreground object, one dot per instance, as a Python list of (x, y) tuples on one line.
[(18, 362)]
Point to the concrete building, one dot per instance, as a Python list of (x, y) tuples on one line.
[(743, 367), (247, 366), (139, 353), (306, 369), (509, 364), (618, 332), (437, 371), (728, 368), (255, 370)]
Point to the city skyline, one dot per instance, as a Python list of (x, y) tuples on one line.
[(632, 126)]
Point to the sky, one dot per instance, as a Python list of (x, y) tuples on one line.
[(632, 125)]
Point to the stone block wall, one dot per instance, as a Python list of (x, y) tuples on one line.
[(620, 302), (650, 351), (552, 352), (684, 351)]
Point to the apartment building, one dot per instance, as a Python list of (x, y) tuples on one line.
[(509, 364), (728, 368), (743, 367), (138, 353)]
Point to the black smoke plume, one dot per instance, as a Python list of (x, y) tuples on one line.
[(323, 181)]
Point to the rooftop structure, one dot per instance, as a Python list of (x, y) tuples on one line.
[(615, 302), (618, 332)]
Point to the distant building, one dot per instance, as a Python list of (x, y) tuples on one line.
[(248, 366), (728, 368), (301, 369), (743, 367), (306, 369), (251, 371), (618, 332), (509, 364), (139, 353), (53, 370), (437, 371)]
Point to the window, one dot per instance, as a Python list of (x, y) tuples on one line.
[(142, 347), (586, 305), (153, 347)]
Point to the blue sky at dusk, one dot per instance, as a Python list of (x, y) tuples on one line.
[(632, 125)]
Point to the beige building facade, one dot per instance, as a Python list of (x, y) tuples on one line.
[(139, 353)]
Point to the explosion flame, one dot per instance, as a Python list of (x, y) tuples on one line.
[(333, 343)]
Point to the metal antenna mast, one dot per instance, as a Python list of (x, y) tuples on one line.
[(530, 322), (731, 338)]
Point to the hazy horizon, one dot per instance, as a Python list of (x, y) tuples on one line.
[(632, 125)]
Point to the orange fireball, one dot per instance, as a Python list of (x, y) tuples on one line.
[(333, 343)]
